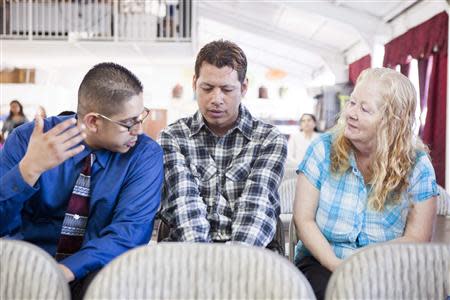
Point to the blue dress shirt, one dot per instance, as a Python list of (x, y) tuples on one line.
[(125, 196)]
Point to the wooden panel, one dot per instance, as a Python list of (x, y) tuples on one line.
[(17, 76)]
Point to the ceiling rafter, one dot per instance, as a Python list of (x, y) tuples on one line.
[(363, 22), (367, 25), (333, 58), (237, 19)]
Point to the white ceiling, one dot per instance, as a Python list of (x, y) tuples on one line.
[(308, 38)]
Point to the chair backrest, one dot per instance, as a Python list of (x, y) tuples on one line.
[(393, 271), (287, 195), (290, 171), (28, 272), (293, 240), (443, 202), (199, 271)]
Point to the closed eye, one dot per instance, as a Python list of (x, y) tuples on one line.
[(207, 89)]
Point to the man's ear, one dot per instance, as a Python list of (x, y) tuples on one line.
[(194, 83), (244, 87), (91, 122)]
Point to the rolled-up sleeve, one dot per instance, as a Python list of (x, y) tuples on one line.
[(183, 206)]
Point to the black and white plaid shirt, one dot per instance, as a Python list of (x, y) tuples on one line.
[(222, 188)]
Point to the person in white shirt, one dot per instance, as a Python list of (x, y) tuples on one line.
[(299, 141)]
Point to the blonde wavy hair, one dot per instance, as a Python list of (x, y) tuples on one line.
[(396, 145)]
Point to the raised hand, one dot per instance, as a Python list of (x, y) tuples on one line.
[(68, 274), (49, 149)]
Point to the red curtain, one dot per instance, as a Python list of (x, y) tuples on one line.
[(357, 67), (434, 129), (428, 40), (418, 42), (424, 66), (404, 69)]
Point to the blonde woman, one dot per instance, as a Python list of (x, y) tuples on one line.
[(368, 180)]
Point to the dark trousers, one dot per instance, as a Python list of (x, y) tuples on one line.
[(78, 287), (317, 275)]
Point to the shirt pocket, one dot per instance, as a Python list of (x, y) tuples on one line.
[(204, 179), (235, 180), (195, 174)]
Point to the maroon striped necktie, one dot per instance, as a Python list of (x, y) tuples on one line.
[(76, 217)]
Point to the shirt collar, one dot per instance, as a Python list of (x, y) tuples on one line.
[(244, 123), (352, 160), (101, 155), (197, 123), (353, 165)]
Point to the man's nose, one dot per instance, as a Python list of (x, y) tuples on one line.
[(217, 96)]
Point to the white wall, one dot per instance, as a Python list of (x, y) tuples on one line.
[(56, 88)]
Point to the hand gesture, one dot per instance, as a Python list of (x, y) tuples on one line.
[(49, 149)]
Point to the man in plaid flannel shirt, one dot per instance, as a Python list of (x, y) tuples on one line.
[(222, 166)]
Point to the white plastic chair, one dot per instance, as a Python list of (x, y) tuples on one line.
[(28, 272), (443, 202), (199, 271), (393, 271)]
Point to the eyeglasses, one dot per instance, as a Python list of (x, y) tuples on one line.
[(133, 124)]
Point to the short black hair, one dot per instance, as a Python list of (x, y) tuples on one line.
[(105, 88), (222, 53)]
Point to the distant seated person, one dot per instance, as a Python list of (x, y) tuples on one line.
[(84, 188), (369, 180), (222, 166), (179, 107), (15, 118), (300, 140)]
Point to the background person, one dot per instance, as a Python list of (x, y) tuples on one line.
[(15, 118), (300, 140)]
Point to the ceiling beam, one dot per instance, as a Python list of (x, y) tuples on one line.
[(265, 29), (364, 23), (333, 58)]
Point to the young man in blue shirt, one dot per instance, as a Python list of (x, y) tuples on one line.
[(41, 162)]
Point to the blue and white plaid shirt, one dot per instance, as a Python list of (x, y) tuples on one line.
[(222, 188), (343, 216)]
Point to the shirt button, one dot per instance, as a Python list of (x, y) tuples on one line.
[(15, 188)]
